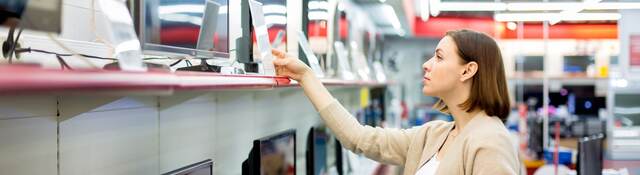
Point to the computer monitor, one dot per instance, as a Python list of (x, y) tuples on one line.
[(316, 155), (272, 155), (204, 167), (30, 14), (198, 28), (590, 155), (577, 64)]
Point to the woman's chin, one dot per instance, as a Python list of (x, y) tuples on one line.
[(427, 92)]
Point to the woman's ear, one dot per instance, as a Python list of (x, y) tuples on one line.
[(470, 70)]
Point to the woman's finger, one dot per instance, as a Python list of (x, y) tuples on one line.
[(278, 53), (280, 62)]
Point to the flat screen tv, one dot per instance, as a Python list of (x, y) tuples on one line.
[(272, 155), (577, 64), (316, 155), (198, 28), (36, 15), (529, 63)]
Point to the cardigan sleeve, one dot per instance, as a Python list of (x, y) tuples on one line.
[(385, 145), (494, 156)]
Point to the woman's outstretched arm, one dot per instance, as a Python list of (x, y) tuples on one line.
[(381, 144)]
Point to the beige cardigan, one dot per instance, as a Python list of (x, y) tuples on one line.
[(482, 147)]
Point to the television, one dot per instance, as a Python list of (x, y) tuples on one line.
[(204, 167), (590, 155), (36, 15), (197, 28), (580, 90), (577, 64), (589, 106), (272, 155), (529, 63), (316, 155), (531, 95), (558, 99)]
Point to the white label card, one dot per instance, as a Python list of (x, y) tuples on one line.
[(313, 60), (262, 37)]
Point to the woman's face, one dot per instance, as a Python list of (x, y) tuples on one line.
[(443, 71)]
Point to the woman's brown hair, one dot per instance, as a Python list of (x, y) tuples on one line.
[(489, 86)]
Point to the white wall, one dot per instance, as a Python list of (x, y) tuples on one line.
[(627, 26), (148, 135)]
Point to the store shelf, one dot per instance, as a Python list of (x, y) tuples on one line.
[(27, 79), (569, 80)]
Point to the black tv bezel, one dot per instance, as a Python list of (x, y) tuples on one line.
[(252, 163), (182, 170), (159, 49)]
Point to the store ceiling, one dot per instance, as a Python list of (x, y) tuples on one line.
[(385, 25)]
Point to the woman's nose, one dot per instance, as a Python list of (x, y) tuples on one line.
[(425, 66)]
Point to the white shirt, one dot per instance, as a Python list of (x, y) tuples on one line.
[(430, 167)]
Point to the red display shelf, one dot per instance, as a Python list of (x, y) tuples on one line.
[(22, 78)]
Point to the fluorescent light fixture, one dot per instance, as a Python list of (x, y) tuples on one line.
[(275, 19), (170, 9), (557, 6), (573, 10), (274, 9), (324, 5), (318, 15), (424, 10), (552, 16), (512, 25), (472, 6), (434, 7)]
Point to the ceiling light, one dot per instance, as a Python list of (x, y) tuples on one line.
[(472, 6), (512, 26), (552, 16), (424, 10)]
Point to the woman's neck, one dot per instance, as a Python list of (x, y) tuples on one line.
[(460, 116)]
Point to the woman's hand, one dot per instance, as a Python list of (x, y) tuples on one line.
[(291, 67)]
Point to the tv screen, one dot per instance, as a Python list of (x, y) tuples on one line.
[(30, 14), (272, 155), (317, 152), (200, 168), (531, 95), (576, 64), (191, 27), (581, 90), (557, 99), (589, 106), (530, 63)]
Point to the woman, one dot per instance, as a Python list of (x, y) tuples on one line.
[(466, 73)]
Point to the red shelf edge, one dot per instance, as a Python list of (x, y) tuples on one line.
[(14, 78)]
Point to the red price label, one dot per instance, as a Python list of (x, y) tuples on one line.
[(634, 50)]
